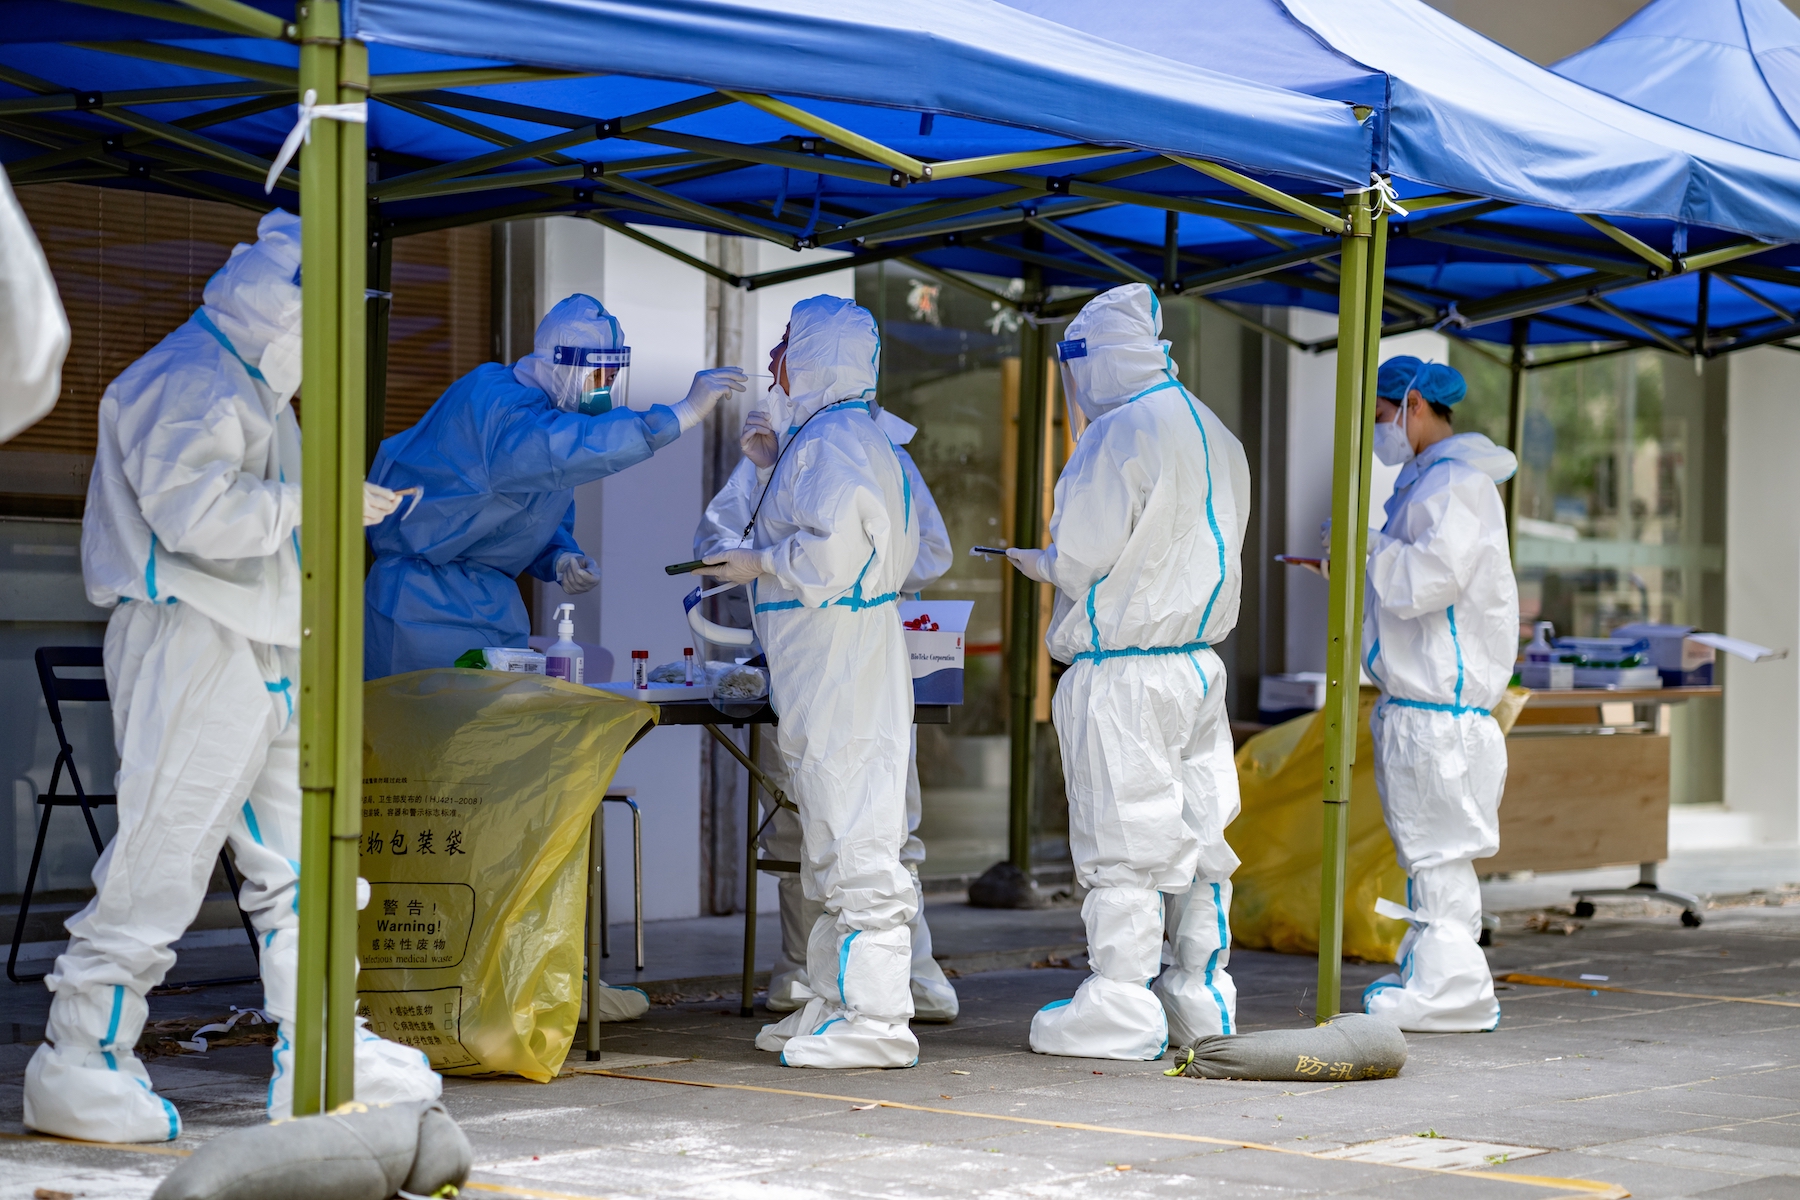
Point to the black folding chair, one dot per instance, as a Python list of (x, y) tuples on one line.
[(57, 691)]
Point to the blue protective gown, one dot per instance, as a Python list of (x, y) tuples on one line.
[(499, 464)]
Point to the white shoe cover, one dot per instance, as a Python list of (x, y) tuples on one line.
[(1105, 1019), (934, 1000), (96, 1096), (788, 991), (386, 1072), (774, 1038), (1196, 990), (825, 1035), (1443, 985), (621, 1003), (849, 1040)]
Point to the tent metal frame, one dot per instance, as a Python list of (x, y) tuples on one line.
[(1328, 244)]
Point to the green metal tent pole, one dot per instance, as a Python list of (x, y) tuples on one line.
[(333, 254), (1028, 523), (1359, 333), (1515, 424)]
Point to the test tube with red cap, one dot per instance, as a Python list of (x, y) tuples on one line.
[(640, 670)]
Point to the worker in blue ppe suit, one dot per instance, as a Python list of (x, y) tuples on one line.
[(934, 999), (834, 538), (1147, 532), (191, 539), (1440, 635), (497, 459)]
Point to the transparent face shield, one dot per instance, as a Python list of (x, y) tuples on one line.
[(600, 378), (1066, 351)]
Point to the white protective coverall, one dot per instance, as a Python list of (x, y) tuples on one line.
[(1150, 513), (1440, 636), (720, 528), (835, 539), (191, 538), (34, 333)]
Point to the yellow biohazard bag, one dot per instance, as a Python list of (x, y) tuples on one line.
[(1279, 831), (477, 793)]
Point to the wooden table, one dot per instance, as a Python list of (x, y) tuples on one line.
[(1587, 785)]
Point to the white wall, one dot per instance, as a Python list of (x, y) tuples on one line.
[(1312, 405), (1762, 592)]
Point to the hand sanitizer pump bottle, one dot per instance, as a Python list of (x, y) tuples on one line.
[(564, 659)]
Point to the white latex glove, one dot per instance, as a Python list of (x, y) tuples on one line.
[(1030, 564), (708, 388), (577, 574), (378, 502), (735, 566), (759, 441)]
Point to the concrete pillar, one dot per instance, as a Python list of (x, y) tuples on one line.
[(1762, 593)]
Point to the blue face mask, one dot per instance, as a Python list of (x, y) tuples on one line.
[(595, 401)]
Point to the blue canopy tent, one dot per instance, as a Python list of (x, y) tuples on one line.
[(1732, 69), (986, 140), (972, 100), (1538, 160)]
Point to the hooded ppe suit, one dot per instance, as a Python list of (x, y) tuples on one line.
[(1440, 635), (835, 539), (191, 539), (1149, 523), (720, 528), (498, 460), (34, 333)]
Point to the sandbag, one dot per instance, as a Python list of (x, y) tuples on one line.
[(1278, 830), (357, 1152), (1348, 1047), (478, 790)]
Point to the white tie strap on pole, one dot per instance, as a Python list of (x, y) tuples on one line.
[(356, 113)]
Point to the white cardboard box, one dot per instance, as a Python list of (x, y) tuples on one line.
[(934, 643)]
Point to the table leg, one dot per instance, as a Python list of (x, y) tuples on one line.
[(748, 1006), (596, 924)]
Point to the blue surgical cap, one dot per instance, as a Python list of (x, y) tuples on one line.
[(1441, 384), (1395, 374)]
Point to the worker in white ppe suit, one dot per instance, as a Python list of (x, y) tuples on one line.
[(1440, 635), (835, 537), (34, 333), (1147, 530), (934, 999), (191, 538)]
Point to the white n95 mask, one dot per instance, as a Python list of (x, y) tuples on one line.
[(1392, 447), (280, 366)]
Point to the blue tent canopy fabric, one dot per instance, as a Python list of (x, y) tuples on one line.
[(1297, 94), (1729, 67), (966, 58)]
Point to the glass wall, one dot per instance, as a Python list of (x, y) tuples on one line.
[(1620, 508)]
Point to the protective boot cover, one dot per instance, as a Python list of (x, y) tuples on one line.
[(861, 1020), (1113, 1013), (934, 1000), (1349, 1046), (359, 1152), (1443, 984), (622, 1003), (1104, 1019), (1196, 990), (98, 1092)]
